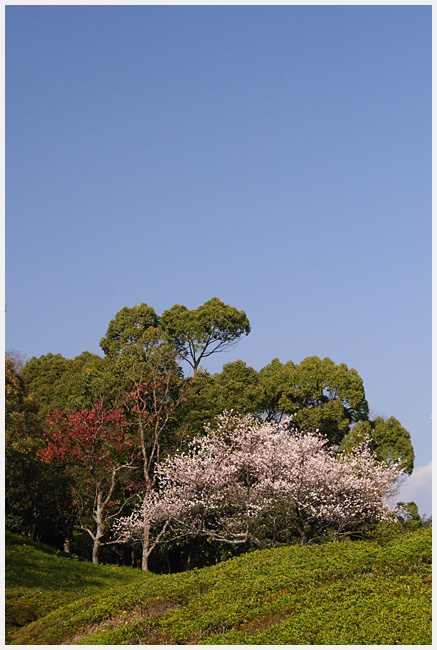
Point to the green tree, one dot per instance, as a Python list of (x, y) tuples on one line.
[(70, 384), (278, 381), (390, 440), (45, 378), (129, 332), (153, 389), (237, 388), (196, 410), (411, 517), (201, 332), (318, 393), (32, 491)]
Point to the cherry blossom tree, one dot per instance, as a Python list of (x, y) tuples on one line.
[(243, 469), (145, 527), (360, 490)]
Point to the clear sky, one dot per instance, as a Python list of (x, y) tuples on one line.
[(277, 157)]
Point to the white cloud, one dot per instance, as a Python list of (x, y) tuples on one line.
[(418, 488)]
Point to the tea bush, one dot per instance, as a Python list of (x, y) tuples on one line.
[(347, 593)]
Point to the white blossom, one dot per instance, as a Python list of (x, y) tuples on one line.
[(241, 469)]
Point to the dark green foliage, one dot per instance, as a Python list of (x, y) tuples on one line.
[(143, 352), (197, 410), (411, 520), (195, 334), (237, 388), (27, 481), (317, 392), (347, 593), (200, 332), (45, 379)]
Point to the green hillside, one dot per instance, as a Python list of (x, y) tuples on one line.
[(337, 594)]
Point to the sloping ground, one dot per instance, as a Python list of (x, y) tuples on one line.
[(333, 594)]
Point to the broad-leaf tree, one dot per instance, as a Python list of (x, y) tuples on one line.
[(45, 377), (153, 389), (128, 333), (318, 393), (201, 332), (388, 438), (70, 385), (237, 388), (24, 480), (97, 449)]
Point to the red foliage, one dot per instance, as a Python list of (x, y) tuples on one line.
[(92, 439)]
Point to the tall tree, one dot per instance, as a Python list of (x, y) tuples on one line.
[(201, 332), (70, 384), (157, 390), (23, 476), (45, 378), (238, 388), (318, 393), (128, 333), (153, 389)]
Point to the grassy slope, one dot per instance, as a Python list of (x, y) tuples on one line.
[(335, 594)]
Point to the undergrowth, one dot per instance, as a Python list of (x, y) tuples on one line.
[(332, 594)]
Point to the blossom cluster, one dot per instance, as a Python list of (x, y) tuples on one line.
[(243, 468)]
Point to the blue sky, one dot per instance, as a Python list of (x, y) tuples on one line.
[(276, 157)]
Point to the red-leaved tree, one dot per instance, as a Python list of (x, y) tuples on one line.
[(96, 448)]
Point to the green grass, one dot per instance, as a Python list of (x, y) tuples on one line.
[(333, 594)]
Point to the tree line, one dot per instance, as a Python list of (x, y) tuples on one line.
[(94, 443)]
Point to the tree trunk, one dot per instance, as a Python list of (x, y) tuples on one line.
[(100, 525), (300, 527), (287, 528), (96, 546), (67, 545), (146, 552)]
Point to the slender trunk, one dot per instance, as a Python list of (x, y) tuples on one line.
[(300, 527), (67, 545), (100, 525), (187, 559), (146, 551)]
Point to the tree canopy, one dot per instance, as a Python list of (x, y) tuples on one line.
[(143, 391), (389, 439), (128, 332), (201, 332), (317, 392)]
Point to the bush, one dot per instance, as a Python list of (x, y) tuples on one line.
[(346, 593)]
